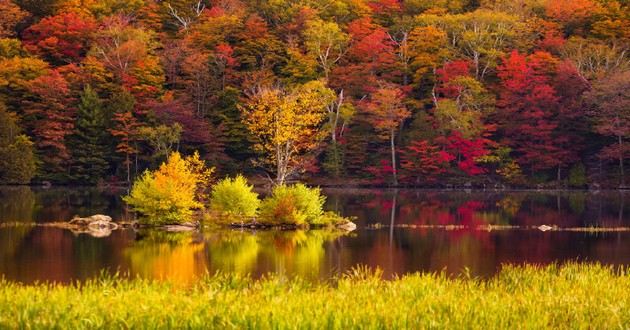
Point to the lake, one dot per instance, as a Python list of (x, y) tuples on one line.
[(399, 231)]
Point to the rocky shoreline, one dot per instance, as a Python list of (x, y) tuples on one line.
[(99, 225)]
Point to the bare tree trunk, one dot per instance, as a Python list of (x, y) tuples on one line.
[(623, 199), (279, 162), (128, 163), (393, 148), (392, 219), (623, 179)]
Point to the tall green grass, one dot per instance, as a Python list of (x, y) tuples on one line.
[(570, 296)]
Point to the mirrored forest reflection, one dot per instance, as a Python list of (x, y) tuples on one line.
[(399, 231)]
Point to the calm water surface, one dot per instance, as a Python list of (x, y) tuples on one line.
[(30, 253)]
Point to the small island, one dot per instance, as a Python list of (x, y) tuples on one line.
[(180, 194)]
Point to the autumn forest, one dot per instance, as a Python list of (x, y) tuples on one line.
[(518, 93)]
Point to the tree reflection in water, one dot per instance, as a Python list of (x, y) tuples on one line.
[(185, 256), (417, 231)]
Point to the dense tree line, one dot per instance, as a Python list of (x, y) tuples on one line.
[(417, 92)]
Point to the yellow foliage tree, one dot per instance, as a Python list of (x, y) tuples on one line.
[(287, 125), (170, 194)]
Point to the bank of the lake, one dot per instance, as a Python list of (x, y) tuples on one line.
[(569, 296)]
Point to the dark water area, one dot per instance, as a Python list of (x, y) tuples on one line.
[(399, 231)]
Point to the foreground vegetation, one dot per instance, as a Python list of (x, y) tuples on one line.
[(569, 296)]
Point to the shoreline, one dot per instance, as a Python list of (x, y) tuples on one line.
[(365, 187)]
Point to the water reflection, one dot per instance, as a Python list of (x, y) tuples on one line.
[(177, 256), (185, 256), (26, 204), (31, 253), (522, 208)]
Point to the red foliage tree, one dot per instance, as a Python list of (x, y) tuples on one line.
[(385, 6), (386, 112), (421, 160), (529, 112), (467, 152), (369, 58), (197, 133), (125, 129), (381, 172), (224, 62), (610, 103), (450, 71), (62, 38), (51, 118)]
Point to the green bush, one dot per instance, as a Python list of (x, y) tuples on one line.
[(577, 176), (234, 197), (296, 205)]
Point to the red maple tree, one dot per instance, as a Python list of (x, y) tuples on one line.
[(422, 161), (529, 111), (62, 38)]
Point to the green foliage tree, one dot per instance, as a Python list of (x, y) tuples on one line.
[(238, 139), (162, 138), (577, 176), (333, 162), (481, 36), (17, 155), (89, 142), (326, 43), (233, 197)]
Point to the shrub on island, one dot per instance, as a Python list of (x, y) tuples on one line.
[(234, 197), (171, 193), (294, 205)]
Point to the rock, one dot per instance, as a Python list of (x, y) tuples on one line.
[(97, 225), (348, 226), (88, 220), (183, 227), (101, 217), (100, 224), (178, 228), (104, 232)]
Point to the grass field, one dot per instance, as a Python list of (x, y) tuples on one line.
[(570, 296)]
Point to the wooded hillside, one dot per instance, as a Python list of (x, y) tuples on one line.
[(419, 92)]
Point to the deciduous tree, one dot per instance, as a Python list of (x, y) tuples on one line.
[(423, 162), (386, 112), (287, 125), (51, 119), (124, 127), (325, 42), (11, 15), (63, 38), (529, 111), (610, 104)]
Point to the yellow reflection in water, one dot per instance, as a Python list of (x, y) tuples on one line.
[(176, 256), (233, 251), (183, 257), (286, 252)]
